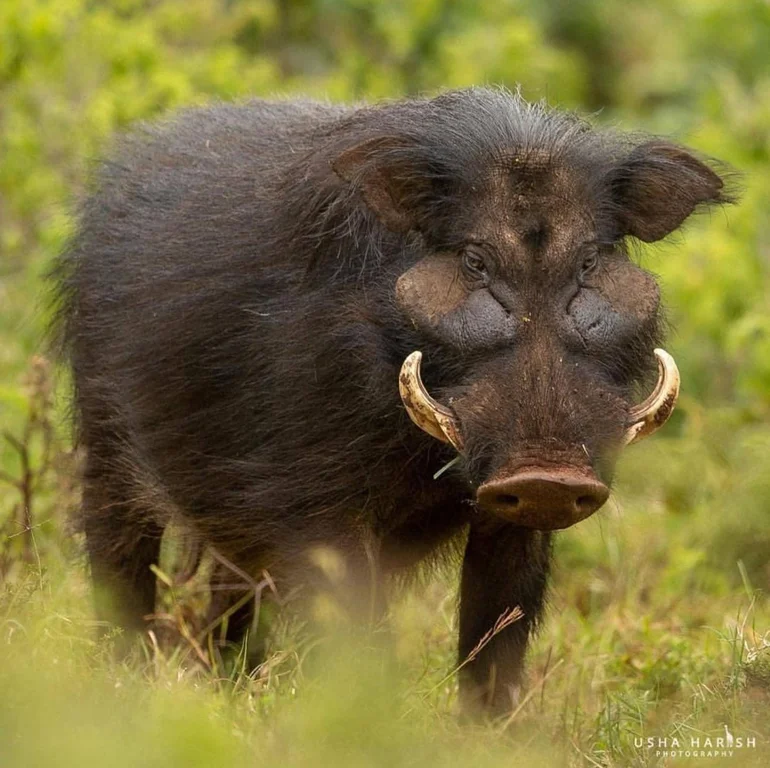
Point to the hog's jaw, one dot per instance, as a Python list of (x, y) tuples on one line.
[(537, 497)]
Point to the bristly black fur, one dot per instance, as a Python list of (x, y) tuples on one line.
[(228, 305)]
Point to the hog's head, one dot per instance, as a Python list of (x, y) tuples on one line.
[(535, 326)]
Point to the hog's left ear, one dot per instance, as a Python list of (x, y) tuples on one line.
[(658, 186), (385, 174)]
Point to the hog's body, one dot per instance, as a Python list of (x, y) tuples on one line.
[(246, 282)]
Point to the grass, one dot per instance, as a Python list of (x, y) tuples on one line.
[(621, 658)]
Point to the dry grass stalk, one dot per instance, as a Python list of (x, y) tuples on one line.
[(37, 449)]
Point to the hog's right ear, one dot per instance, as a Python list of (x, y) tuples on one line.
[(658, 186), (384, 173)]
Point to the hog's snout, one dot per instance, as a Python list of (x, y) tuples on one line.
[(544, 499)]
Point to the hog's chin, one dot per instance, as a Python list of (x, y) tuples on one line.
[(546, 499)]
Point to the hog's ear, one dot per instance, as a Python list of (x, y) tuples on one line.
[(658, 186), (383, 172)]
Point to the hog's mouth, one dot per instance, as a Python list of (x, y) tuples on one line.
[(543, 498)]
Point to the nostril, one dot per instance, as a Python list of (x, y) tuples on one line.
[(507, 500), (587, 503)]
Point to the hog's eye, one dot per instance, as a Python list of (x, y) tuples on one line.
[(589, 263), (473, 264)]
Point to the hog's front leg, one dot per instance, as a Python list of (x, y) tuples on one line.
[(505, 566)]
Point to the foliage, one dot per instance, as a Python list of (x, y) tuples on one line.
[(651, 629)]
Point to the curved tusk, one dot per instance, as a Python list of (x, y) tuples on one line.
[(428, 414), (653, 413)]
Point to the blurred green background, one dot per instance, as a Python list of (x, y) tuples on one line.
[(660, 611)]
